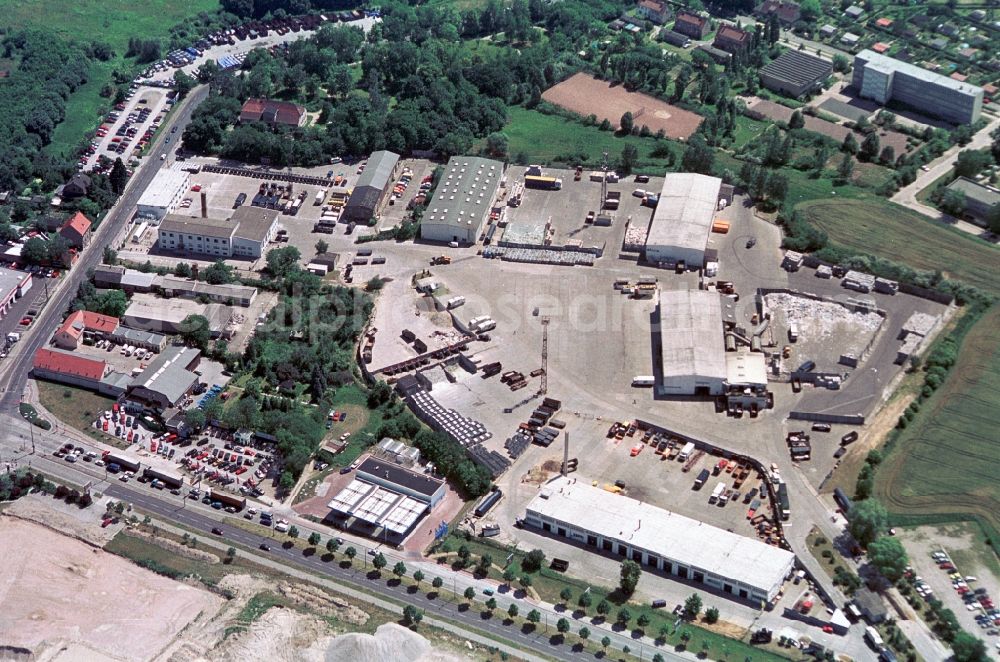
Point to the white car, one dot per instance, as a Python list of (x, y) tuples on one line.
[(123, 478)]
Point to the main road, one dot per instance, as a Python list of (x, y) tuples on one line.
[(18, 366)]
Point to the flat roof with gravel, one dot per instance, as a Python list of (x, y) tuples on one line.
[(205, 227)]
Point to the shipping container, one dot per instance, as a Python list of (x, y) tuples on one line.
[(542, 183)]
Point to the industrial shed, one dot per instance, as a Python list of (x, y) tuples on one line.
[(373, 187), (662, 540), (164, 193), (692, 352), (462, 201), (682, 222), (795, 73)]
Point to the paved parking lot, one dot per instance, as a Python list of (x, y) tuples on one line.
[(152, 98)]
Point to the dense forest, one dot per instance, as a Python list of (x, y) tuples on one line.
[(32, 103)]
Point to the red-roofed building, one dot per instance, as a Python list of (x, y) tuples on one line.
[(961, 78), (786, 11), (989, 89), (83, 322), (68, 368), (272, 112), (76, 230), (691, 25), (731, 39), (880, 47), (884, 22), (657, 11)]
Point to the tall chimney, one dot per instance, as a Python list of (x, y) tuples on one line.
[(204, 203), (565, 462)]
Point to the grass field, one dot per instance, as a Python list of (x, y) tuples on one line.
[(550, 138), (941, 467), (111, 22), (879, 227), (75, 407)]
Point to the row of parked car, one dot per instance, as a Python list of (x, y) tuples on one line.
[(975, 599)]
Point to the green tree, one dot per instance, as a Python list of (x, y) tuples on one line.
[(850, 144), (953, 202), (971, 162), (332, 545), (118, 177), (533, 561), (195, 419), (350, 553), (605, 642), (525, 581), (183, 83), (796, 121), (628, 160), (418, 576), (534, 616), (219, 273), (711, 615), (888, 555), (562, 626), (584, 633), (698, 156), (512, 610), (811, 10), (869, 147), (658, 658), (868, 520), (399, 570), (491, 605), (196, 332), (283, 261), (643, 620), (629, 575), (230, 554), (585, 601), (411, 615), (293, 531), (469, 594), (888, 155), (314, 539), (566, 595), (182, 270), (437, 582), (35, 251), (603, 608), (692, 606), (626, 123), (968, 648), (322, 247), (379, 562), (497, 145), (509, 575), (623, 617), (846, 168)]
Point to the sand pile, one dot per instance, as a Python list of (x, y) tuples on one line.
[(390, 642)]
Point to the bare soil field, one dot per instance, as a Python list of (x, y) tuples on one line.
[(58, 591), (585, 95), (776, 111)]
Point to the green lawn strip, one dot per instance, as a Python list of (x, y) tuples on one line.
[(924, 195), (549, 584), (85, 108), (830, 559), (554, 139), (879, 227)]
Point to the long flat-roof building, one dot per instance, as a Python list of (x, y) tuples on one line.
[(13, 285), (372, 189), (682, 222), (147, 312), (164, 193), (462, 201), (692, 352), (980, 201), (167, 379), (795, 73), (244, 234), (728, 562), (173, 286), (884, 79)]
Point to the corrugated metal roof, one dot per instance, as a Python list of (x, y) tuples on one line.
[(684, 213), (465, 192), (691, 334)]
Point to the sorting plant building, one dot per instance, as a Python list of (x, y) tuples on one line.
[(682, 222), (692, 353)]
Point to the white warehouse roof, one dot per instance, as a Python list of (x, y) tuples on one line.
[(691, 334), (746, 369), (664, 533), (163, 189), (684, 213)]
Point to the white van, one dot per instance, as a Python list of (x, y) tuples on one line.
[(643, 381), (793, 331)]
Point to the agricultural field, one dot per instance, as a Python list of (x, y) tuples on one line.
[(942, 467), (585, 95), (879, 227), (542, 138)]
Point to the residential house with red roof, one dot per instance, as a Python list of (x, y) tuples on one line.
[(76, 230), (731, 39), (692, 25), (273, 112), (83, 323), (657, 11), (786, 11)]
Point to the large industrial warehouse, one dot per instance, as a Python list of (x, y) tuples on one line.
[(372, 188), (692, 353), (462, 202), (682, 222), (745, 568)]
